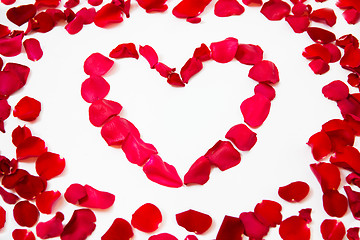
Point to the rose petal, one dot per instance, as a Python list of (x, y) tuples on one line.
[(162, 236), (75, 25), (324, 15), (27, 109), (335, 204), (253, 228), (25, 214), (42, 22), (49, 165), (242, 137), (21, 71), (354, 201), (320, 35), (20, 134), (345, 40), (352, 16), (275, 10), (149, 54), (199, 172), (9, 83), (31, 147), (327, 174), (268, 213), (231, 228), (80, 226), (175, 80), (47, 3), (353, 178), (264, 71), (87, 14), (107, 15), (194, 221), (164, 70), (227, 8), (4, 31), (10, 181), (191, 237), (193, 20), (125, 50), (146, 218), (266, 90), (21, 14), (7, 167), (336, 90), (319, 66), (136, 150), (299, 24), (294, 228), (306, 214), (102, 110), (153, 5), (202, 53), (348, 158), (161, 172), (315, 51), (97, 64), (343, 4), (30, 187), (23, 234), (2, 217), (332, 229), (96, 198), (191, 67), (225, 50), (33, 49), (350, 107), (249, 54), (189, 8), (255, 110), (120, 229), (353, 233), (351, 58), (52, 228), (46, 200), (8, 197), (74, 193), (71, 3), (334, 52), (340, 133), (294, 192), (320, 144), (5, 109), (223, 155), (10, 47), (56, 14), (353, 80), (117, 129), (94, 88), (95, 2), (255, 3)]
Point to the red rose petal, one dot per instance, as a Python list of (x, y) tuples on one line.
[(5, 109), (332, 229), (33, 49), (223, 155), (266, 90), (253, 228), (175, 80), (319, 66), (46, 200), (8, 197), (231, 228), (117, 129), (21, 71), (30, 187), (125, 50), (27, 109), (7, 167), (164, 70), (87, 14), (71, 3), (10, 181), (120, 229), (275, 10), (108, 14), (20, 134), (249, 54), (268, 213), (42, 22), (80, 226), (94, 88), (52, 228), (31, 147), (4, 31), (350, 107), (97, 64), (202, 53), (242, 137), (95, 2), (74, 193), (320, 144), (102, 110), (336, 90), (96, 198), (21, 14), (2, 217), (25, 214), (163, 236), (136, 150), (255, 110), (199, 172), (348, 158), (191, 67), (194, 221), (320, 35), (161, 172), (23, 234), (227, 8), (343, 4), (255, 3), (191, 237), (334, 52), (352, 16), (56, 14), (75, 25), (315, 51), (324, 15), (299, 24), (49, 165), (354, 201), (353, 233), (353, 178), (294, 228), (189, 8), (150, 55), (153, 5), (335, 204), (9, 83), (351, 58), (294, 192), (225, 50), (47, 3), (353, 80), (193, 20), (146, 218), (264, 71), (10, 47), (327, 174), (306, 214), (345, 40)]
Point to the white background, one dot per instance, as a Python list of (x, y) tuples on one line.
[(182, 123)]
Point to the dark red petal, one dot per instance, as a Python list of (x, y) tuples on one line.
[(71, 3), (161, 172), (46, 200), (164, 70), (4, 31), (315, 51), (255, 110), (146, 218), (327, 174), (80, 226), (199, 172), (52, 228), (351, 58), (125, 50), (332, 229), (69, 15), (226, 8), (335, 204), (117, 129), (102, 110), (202, 53), (56, 14), (193, 20), (266, 90), (108, 14), (320, 35), (345, 40), (189, 8), (8, 197), (319, 66), (299, 24), (10, 47), (10, 181), (294, 228), (306, 214), (5, 109), (354, 201), (21, 14), (95, 2), (294, 192), (2, 217), (336, 90), (253, 3), (320, 144), (120, 229), (74, 193), (225, 50), (75, 25), (7, 167), (253, 228), (49, 165), (223, 155), (353, 80), (353, 233), (348, 158), (231, 228), (25, 214), (23, 234), (33, 49), (149, 54), (31, 147), (353, 178), (340, 133), (30, 187), (268, 213), (94, 88), (136, 150), (19, 134), (194, 221), (324, 15), (334, 52), (153, 5), (27, 109), (175, 80), (42, 22), (162, 236), (191, 237), (242, 137), (21, 71), (275, 10), (264, 71), (352, 16), (47, 3), (191, 67), (97, 64), (249, 54)]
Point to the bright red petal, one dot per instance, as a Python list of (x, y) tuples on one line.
[(149, 54), (21, 14), (125, 50), (120, 229), (275, 10), (320, 144), (224, 51), (199, 172), (335, 204), (97, 64), (354, 201), (253, 228), (146, 218), (189, 8), (2, 217), (320, 35), (266, 90), (80, 226), (194, 221), (49, 165), (46, 200), (27, 109), (249, 54), (227, 8), (107, 15), (294, 192), (327, 174), (319, 66), (299, 24), (162, 236), (264, 71), (52, 228), (30, 147), (223, 155), (268, 213), (10, 47), (315, 51), (30, 187), (191, 67), (23, 234), (33, 49), (294, 228), (8, 197), (94, 88), (255, 110), (137, 151), (348, 158), (202, 53), (25, 214), (102, 110), (324, 15), (20, 134), (336, 90), (332, 229), (153, 5), (117, 129), (353, 233), (242, 137)]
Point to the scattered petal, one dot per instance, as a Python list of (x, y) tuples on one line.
[(275, 10), (315, 51), (25, 214), (345, 40), (348, 158), (242, 137), (231, 228), (125, 50), (46, 200), (75, 25), (354, 201), (253, 228), (306, 214), (264, 71), (117, 129), (137, 151), (21, 71), (294, 228), (162, 236), (353, 233), (23, 234), (7, 167), (249, 54), (120, 229), (320, 35), (30, 187), (175, 80), (8, 197), (31, 147), (146, 218), (42, 22), (324, 15), (335, 204), (191, 67), (49, 165), (33, 49), (336, 90), (5, 109), (202, 53), (189, 8), (52, 228), (97, 64), (107, 15), (102, 110), (223, 155), (225, 50), (320, 144), (27, 109), (334, 52), (19, 134), (351, 58), (255, 3), (199, 172), (266, 90), (353, 178), (319, 66), (94, 88), (294, 192), (193, 20), (10, 47), (268, 213), (327, 174), (332, 229), (164, 70), (255, 110), (2, 217), (80, 226), (227, 8), (149, 54), (352, 16), (21, 14), (299, 24), (194, 221), (153, 5), (10, 181)]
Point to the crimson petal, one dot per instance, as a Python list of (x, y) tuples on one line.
[(25, 214), (268, 213), (275, 10), (175, 80), (153, 5), (117, 129), (294, 228), (49, 165), (255, 110), (75, 25), (354, 201), (352, 16), (30, 187), (332, 229), (21, 14), (243, 138), (348, 158), (199, 172), (319, 66), (351, 58), (149, 54), (7, 167), (202, 53), (334, 52), (320, 144), (223, 155), (19, 134), (353, 233), (102, 110), (27, 109), (21, 71), (353, 178), (46, 200), (74, 193), (146, 218), (125, 50), (8, 197), (10, 181), (336, 90), (120, 229), (9, 83), (80, 226), (253, 228), (189, 8), (299, 24), (225, 50), (320, 35), (10, 47), (324, 15), (33, 49), (30, 147), (136, 150), (52, 228), (2, 217), (249, 54), (294, 192), (317, 50), (97, 64), (345, 40), (231, 228), (227, 8), (108, 14), (5, 109), (191, 67), (94, 88), (327, 174), (42, 22), (266, 90), (264, 71), (194, 221), (335, 204), (162, 236), (164, 70), (23, 234)]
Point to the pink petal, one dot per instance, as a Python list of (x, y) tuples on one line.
[(294, 228), (275, 10), (231, 228), (299, 24), (33, 49), (49, 165), (27, 109), (223, 155), (87, 14), (320, 35), (227, 8), (202, 53), (31, 147), (146, 218), (294, 192), (23, 234), (161, 172), (102, 110), (46, 200), (320, 144), (94, 88), (80, 226), (353, 233), (315, 51), (264, 71), (189, 8), (10, 47), (175, 80), (120, 229), (249, 54), (117, 129), (348, 158), (162, 236), (97, 64), (25, 214), (266, 90), (149, 54), (324, 15), (352, 16), (164, 70), (194, 221), (21, 14), (268, 213), (334, 52), (30, 187), (153, 5), (332, 229), (327, 174), (125, 50), (8, 197), (336, 90), (242, 137), (253, 228), (335, 204), (319, 66), (255, 110), (107, 15), (52, 228), (191, 67), (199, 172), (225, 50), (354, 201), (137, 151)]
